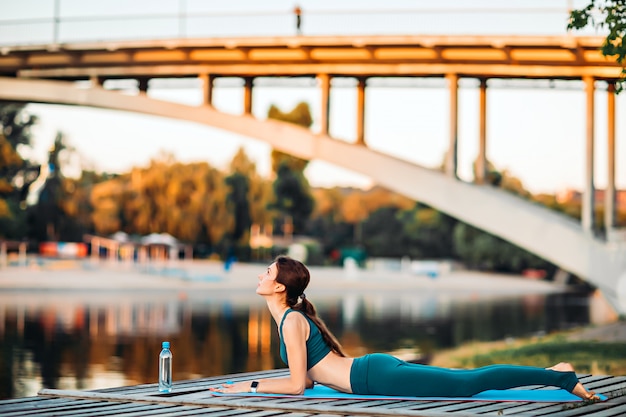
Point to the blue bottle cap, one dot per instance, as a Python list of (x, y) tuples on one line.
[(166, 345)]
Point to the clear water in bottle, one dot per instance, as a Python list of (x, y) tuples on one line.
[(165, 368)]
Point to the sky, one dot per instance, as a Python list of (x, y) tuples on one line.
[(535, 130)]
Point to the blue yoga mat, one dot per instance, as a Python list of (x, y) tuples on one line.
[(534, 395)]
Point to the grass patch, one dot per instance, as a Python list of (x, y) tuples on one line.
[(598, 358)]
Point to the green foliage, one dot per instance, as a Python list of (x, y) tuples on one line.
[(607, 15), (291, 189), (483, 251), (427, 233), (16, 173), (382, 233), (239, 205), (184, 200), (293, 197), (585, 356), (47, 218)]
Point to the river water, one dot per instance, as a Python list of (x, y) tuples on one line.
[(89, 340)]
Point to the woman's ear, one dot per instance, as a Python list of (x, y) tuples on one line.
[(279, 287)]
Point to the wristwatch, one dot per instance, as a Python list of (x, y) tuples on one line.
[(254, 386)]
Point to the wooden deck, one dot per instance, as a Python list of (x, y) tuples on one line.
[(190, 398)]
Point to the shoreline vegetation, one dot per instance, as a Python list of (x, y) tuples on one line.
[(594, 349)]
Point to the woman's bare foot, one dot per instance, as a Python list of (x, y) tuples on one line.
[(562, 367), (578, 390)]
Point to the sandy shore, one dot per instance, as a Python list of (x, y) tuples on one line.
[(200, 275)]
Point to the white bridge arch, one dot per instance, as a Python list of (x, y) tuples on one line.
[(548, 234)]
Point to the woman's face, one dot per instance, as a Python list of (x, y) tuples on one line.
[(267, 280)]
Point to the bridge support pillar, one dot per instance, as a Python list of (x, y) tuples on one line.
[(207, 88), (360, 111), (451, 159), (609, 195), (247, 95), (588, 203), (481, 160), (324, 80), (143, 85), (96, 81)]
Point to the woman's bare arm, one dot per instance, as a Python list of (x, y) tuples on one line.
[(295, 333)]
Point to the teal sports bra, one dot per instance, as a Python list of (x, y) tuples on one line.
[(316, 347)]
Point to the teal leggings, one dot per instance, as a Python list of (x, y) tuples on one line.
[(382, 374)]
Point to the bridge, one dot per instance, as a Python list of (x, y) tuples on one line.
[(47, 73)]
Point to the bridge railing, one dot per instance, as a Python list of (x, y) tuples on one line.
[(177, 20)]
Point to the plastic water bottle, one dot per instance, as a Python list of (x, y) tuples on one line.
[(165, 368)]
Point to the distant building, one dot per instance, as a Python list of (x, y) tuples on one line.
[(574, 196)]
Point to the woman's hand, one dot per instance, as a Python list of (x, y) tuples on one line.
[(233, 388)]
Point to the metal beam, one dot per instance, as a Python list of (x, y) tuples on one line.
[(324, 83), (588, 197), (481, 160), (247, 95), (347, 69), (207, 88), (609, 193), (451, 156), (360, 111)]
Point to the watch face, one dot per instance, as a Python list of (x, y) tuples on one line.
[(254, 384)]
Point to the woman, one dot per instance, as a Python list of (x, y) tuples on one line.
[(313, 354)]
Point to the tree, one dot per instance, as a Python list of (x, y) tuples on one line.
[(427, 233), (47, 217), (609, 15), (292, 192), (184, 200), (16, 173), (239, 205), (293, 197), (383, 233), (481, 250)]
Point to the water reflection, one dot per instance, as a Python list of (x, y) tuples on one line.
[(74, 340)]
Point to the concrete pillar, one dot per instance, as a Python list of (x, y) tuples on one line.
[(324, 80), (609, 195), (143, 85), (95, 248), (96, 81), (360, 111), (588, 206), (3, 255), (23, 248), (451, 160), (207, 88), (481, 160), (247, 95)]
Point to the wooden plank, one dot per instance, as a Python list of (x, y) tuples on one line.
[(139, 410), (191, 398), (182, 386), (99, 408), (11, 406), (20, 400), (186, 411), (247, 405), (30, 408)]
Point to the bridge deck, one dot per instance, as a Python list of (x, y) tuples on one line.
[(191, 398), (551, 57)]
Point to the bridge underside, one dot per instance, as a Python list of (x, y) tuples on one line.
[(550, 235)]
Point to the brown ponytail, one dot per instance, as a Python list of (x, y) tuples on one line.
[(295, 277)]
